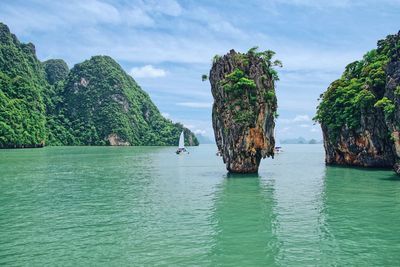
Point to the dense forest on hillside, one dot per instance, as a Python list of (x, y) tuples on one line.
[(94, 103)]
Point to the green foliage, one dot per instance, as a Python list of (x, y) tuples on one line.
[(216, 58), (364, 99), (22, 112), (245, 117), (387, 105), (237, 83), (270, 97), (204, 77), (241, 90), (277, 63), (253, 51), (356, 91), (397, 90), (268, 64), (56, 70)]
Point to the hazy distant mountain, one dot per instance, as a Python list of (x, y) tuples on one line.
[(300, 140), (204, 139)]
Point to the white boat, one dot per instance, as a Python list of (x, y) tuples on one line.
[(181, 146), (278, 148)]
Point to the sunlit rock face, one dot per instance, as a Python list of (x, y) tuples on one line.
[(359, 113), (244, 108)]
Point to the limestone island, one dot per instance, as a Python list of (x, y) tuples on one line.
[(244, 109), (359, 113)]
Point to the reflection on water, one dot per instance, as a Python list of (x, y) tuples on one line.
[(298, 194), (361, 210), (244, 222), (148, 206)]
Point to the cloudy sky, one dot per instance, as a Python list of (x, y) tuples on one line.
[(167, 45)]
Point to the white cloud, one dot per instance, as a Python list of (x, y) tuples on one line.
[(137, 17), (98, 10), (198, 131), (304, 126), (167, 7), (215, 22), (202, 125), (317, 3), (189, 126), (195, 104), (147, 71), (285, 130), (297, 118), (301, 118)]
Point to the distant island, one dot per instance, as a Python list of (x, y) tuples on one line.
[(204, 139), (300, 140), (94, 103)]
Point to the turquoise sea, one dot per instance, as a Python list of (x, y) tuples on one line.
[(146, 206)]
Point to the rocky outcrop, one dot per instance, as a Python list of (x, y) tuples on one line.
[(366, 146), (392, 92), (115, 140), (359, 113), (244, 108)]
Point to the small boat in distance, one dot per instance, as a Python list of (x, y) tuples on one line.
[(278, 148), (181, 146)]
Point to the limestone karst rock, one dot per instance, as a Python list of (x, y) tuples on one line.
[(359, 113), (244, 108)]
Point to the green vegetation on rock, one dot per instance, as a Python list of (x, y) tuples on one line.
[(240, 89), (22, 84), (359, 113), (244, 108), (387, 105), (360, 90), (56, 70)]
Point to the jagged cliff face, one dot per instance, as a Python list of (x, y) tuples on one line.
[(366, 146), (244, 108), (392, 92), (359, 113)]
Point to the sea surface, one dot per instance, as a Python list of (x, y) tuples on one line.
[(147, 206)]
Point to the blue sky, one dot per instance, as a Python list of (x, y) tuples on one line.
[(167, 45)]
